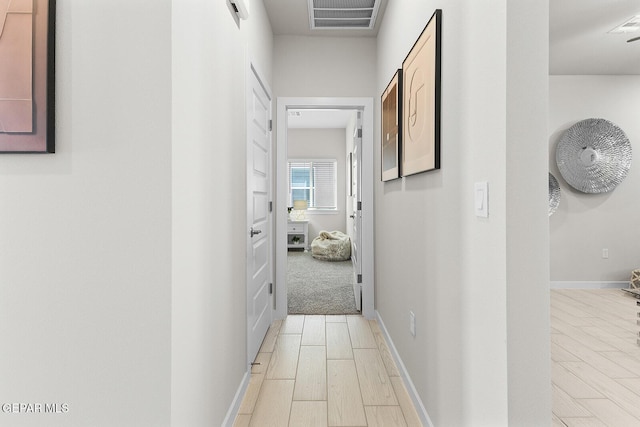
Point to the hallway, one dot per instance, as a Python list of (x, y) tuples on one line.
[(326, 370)]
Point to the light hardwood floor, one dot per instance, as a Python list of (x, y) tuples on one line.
[(595, 360), (326, 371), (338, 370)]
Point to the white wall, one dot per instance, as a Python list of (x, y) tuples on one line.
[(85, 253), (527, 223), (324, 66), (210, 65), (322, 144), (584, 224), (434, 257)]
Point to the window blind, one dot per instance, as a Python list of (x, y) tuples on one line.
[(314, 181)]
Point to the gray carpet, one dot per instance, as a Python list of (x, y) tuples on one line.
[(319, 287)]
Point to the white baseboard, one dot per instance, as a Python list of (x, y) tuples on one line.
[(588, 285), (237, 401), (417, 402)]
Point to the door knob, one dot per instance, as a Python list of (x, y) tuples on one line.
[(253, 232), (352, 216)]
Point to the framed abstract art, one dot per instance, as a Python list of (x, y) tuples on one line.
[(421, 72), (391, 101), (27, 76)]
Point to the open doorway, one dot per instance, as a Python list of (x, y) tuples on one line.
[(298, 148), (321, 278)]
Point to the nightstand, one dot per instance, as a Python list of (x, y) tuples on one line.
[(298, 234)]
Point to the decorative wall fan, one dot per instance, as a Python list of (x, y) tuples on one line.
[(594, 156), (554, 194)]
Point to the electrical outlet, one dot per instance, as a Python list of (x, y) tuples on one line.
[(412, 323), (605, 253)]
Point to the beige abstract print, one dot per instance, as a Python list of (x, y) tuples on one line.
[(16, 53), (419, 68)]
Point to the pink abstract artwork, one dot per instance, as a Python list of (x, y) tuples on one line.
[(16, 67)]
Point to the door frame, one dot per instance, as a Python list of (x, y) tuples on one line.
[(280, 213)]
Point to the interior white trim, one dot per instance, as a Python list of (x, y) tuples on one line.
[(411, 389), (232, 413), (588, 285), (366, 106)]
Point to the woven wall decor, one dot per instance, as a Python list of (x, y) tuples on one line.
[(594, 156), (554, 194)]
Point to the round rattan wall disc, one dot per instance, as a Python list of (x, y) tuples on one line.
[(594, 156), (554, 194)]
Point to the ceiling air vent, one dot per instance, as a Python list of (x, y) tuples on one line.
[(343, 14)]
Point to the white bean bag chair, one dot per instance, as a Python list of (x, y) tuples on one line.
[(331, 246)]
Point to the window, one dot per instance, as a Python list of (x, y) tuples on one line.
[(315, 182)]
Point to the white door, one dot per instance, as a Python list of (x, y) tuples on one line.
[(356, 227), (259, 274)]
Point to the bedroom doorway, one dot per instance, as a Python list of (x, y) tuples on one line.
[(295, 264)]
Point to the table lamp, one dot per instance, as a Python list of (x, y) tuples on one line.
[(300, 206)]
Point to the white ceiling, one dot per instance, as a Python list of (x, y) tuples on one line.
[(579, 42), (578, 38)]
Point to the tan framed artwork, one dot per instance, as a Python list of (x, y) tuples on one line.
[(421, 71), (391, 101), (27, 76)]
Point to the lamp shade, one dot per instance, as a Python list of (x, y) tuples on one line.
[(300, 205)]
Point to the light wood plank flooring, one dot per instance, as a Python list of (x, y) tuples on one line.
[(595, 360), (326, 371)]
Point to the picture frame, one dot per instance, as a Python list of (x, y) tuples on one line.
[(27, 77), (421, 108), (349, 170), (391, 136)]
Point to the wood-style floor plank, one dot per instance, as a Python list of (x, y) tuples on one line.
[(585, 354), (582, 422), (408, 410), (274, 404), (633, 384), (631, 363), (336, 318), (269, 340), (338, 341), (344, 402), (609, 388), (595, 359), (360, 332), (311, 381), (556, 422), (293, 324), (609, 413), (313, 331), (261, 363), (284, 359), (242, 420), (566, 406), (571, 384), (308, 414), (251, 395), (308, 385), (385, 416), (375, 386), (387, 358)]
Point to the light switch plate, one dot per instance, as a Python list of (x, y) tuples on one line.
[(481, 199)]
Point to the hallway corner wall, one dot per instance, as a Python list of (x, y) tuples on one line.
[(211, 54), (434, 257)]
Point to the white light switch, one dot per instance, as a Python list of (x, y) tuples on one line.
[(482, 199)]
